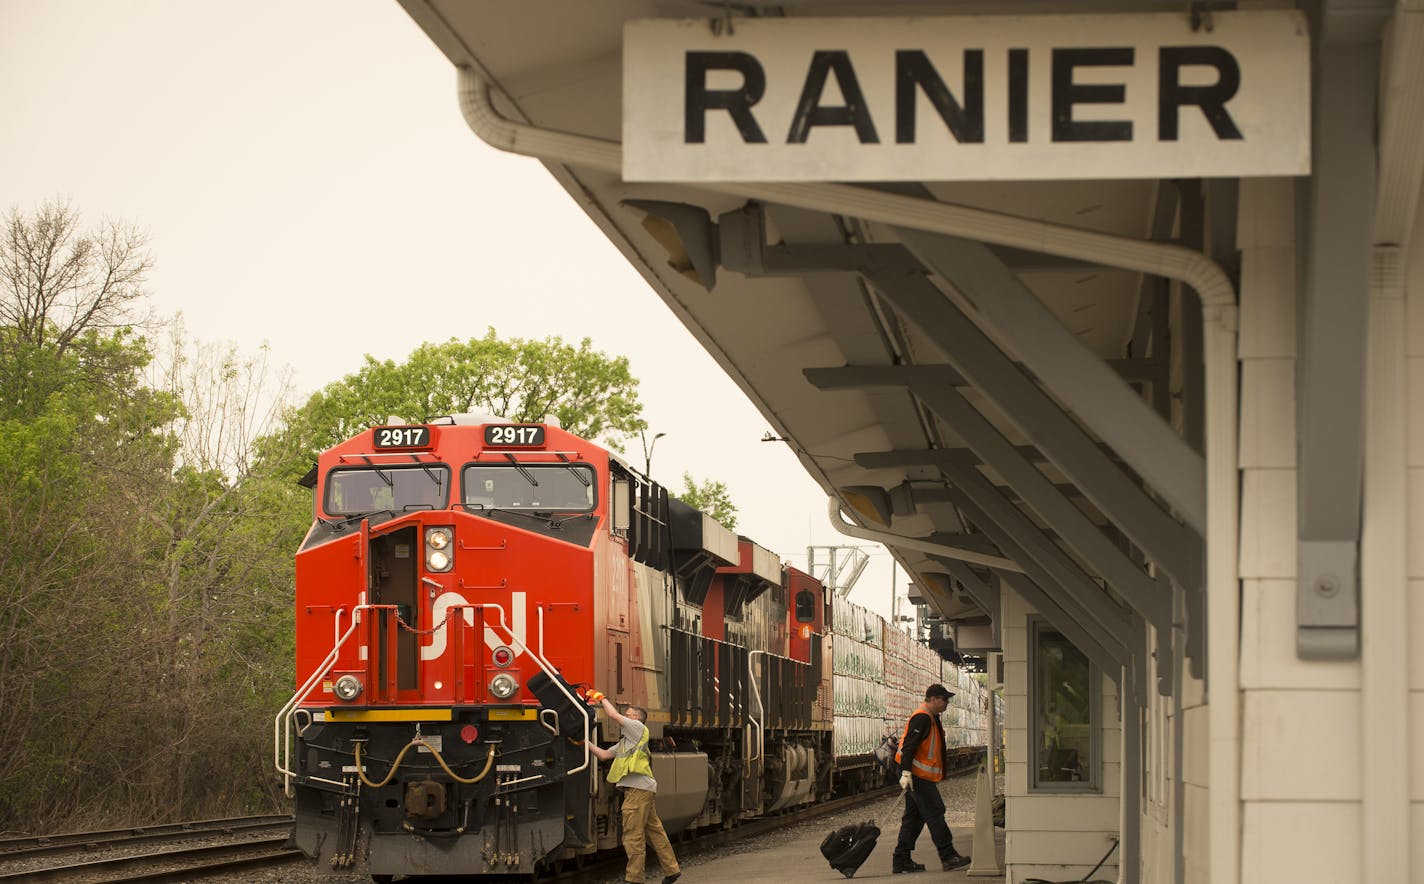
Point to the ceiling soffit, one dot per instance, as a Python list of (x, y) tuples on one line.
[(560, 63)]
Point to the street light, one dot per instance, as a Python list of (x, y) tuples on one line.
[(648, 451)]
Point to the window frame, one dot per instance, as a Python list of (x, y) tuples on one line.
[(809, 617), (331, 479), (591, 471), (1093, 783)]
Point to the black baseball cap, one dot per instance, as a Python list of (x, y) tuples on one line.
[(938, 690)]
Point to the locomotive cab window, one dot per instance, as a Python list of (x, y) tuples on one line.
[(551, 487), (372, 489), (622, 506), (805, 607)]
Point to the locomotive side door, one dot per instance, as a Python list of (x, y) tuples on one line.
[(394, 581)]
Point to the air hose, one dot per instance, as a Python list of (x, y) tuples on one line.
[(419, 741), (1086, 879)]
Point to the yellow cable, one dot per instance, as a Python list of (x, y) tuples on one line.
[(489, 762), (418, 741), (361, 772)]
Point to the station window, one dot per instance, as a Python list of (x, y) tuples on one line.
[(1066, 726)]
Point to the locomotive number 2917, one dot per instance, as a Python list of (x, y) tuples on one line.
[(402, 437), (508, 434)]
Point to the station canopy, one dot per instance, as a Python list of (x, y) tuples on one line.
[(918, 237)]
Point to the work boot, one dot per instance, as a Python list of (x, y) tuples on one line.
[(957, 861), (668, 879), (906, 865)]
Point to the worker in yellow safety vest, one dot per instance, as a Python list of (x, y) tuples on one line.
[(632, 773), (921, 760)]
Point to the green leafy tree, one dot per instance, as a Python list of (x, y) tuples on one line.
[(710, 497), (229, 529), (591, 394), (146, 570), (67, 297), (85, 459)]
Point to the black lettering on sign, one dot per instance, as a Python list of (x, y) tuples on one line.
[(912, 69), (1066, 93), (1211, 99), (809, 110), (1018, 95), (698, 99)]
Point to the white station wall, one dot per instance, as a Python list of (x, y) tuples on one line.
[(1056, 837), (1291, 783), (1414, 396)]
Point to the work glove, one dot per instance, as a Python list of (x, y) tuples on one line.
[(904, 781), (594, 696)]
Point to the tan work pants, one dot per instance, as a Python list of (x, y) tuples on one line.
[(642, 827)]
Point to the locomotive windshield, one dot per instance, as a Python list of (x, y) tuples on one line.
[(373, 489), (553, 487)]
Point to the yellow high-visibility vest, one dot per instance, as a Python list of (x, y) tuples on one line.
[(637, 761)]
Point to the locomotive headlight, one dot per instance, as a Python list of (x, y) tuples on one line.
[(437, 549), (503, 686), (347, 687)]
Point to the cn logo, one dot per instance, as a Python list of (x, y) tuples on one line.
[(518, 612)]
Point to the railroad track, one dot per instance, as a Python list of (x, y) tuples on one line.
[(40, 845), (177, 864), (189, 862)]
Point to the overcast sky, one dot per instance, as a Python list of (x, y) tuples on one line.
[(306, 180)]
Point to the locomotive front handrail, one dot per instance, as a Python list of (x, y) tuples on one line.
[(281, 725), (554, 679), (551, 728), (761, 710)]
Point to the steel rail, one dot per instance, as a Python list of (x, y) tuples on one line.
[(12, 848), (191, 859)]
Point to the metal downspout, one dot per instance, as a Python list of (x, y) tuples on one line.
[(833, 513), (1219, 317), (1387, 735), (1178, 780)]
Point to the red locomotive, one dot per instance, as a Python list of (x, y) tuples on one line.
[(463, 582)]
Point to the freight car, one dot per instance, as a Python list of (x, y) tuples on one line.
[(465, 580), (880, 678)]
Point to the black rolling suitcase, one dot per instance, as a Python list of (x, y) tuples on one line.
[(848, 847)]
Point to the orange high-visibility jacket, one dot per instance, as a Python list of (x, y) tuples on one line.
[(928, 763)]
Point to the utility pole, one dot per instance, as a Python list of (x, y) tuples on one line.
[(894, 596)]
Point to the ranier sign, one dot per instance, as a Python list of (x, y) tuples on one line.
[(966, 98)]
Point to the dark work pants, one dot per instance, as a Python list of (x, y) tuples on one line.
[(923, 807)]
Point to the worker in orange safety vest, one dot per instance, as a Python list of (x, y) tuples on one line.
[(921, 760)]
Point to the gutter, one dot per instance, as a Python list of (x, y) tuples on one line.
[(833, 513), (1219, 320)]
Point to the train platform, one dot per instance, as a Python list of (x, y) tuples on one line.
[(798, 860)]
